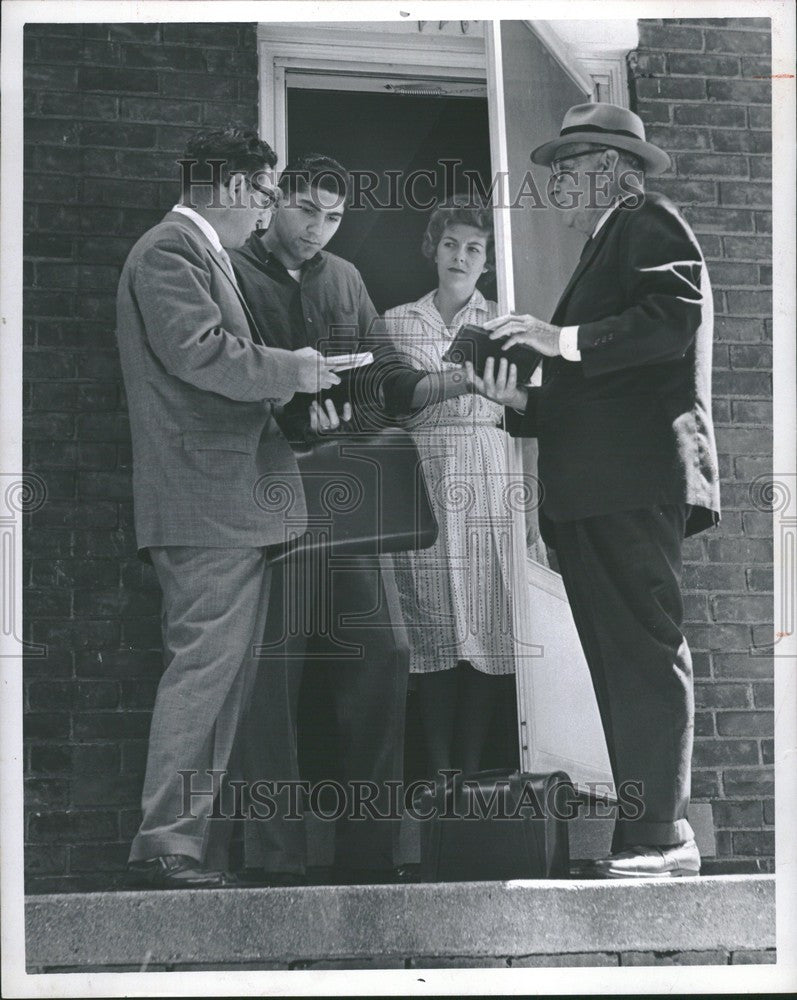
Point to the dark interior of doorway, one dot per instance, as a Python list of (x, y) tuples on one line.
[(378, 132)]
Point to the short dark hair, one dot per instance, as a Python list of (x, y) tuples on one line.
[(458, 211), (315, 170), (241, 150)]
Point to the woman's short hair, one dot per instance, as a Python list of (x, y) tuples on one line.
[(458, 211)]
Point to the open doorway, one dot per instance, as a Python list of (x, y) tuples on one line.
[(417, 147), (419, 142)]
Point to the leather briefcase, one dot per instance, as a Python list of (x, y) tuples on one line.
[(496, 825), (365, 495)]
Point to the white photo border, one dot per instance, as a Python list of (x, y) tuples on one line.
[(566, 981)]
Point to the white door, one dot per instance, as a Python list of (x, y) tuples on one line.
[(528, 93)]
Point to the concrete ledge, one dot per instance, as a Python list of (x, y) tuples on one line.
[(732, 913)]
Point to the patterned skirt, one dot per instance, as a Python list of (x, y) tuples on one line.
[(456, 595)]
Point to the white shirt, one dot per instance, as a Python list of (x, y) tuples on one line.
[(207, 230), (211, 235), (568, 336)]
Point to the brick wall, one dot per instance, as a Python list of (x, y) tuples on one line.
[(107, 110), (702, 88)]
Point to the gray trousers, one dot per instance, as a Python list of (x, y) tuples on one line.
[(214, 613)]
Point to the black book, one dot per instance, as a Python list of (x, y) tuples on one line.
[(472, 343)]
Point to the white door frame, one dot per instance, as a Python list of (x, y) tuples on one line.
[(382, 48), (282, 48)]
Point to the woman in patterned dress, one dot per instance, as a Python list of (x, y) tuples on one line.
[(455, 596)]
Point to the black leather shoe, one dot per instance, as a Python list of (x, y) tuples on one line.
[(177, 871)]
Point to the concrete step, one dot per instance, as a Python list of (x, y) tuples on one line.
[(477, 921)]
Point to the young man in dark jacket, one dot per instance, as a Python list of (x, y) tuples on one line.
[(348, 636)]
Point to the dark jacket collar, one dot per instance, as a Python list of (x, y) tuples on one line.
[(255, 251)]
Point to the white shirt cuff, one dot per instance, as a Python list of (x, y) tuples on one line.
[(568, 343)]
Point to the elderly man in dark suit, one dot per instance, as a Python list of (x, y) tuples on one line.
[(627, 460), (201, 388)]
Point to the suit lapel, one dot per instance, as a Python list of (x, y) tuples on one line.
[(221, 265), (187, 221), (591, 247)]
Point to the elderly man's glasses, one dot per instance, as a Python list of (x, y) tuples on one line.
[(563, 166)]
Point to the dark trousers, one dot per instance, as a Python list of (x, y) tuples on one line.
[(622, 573), (339, 624)]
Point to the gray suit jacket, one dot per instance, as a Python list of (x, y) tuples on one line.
[(207, 451)]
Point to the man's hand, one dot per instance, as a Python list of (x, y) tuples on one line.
[(501, 387), (536, 333), (325, 418), (314, 374)]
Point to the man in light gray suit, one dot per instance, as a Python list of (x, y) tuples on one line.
[(201, 388)]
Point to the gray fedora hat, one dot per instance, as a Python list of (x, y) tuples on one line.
[(607, 125)]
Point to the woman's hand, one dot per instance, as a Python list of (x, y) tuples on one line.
[(500, 387), (323, 419)]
